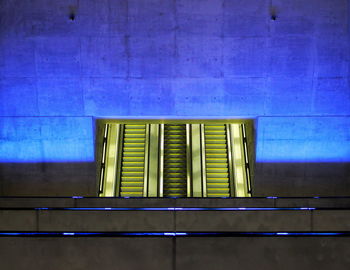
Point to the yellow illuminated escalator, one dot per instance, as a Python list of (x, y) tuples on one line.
[(216, 157), (174, 159), (175, 178), (133, 161)]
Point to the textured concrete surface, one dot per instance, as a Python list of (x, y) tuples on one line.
[(131, 202), (174, 215), (108, 221), (89, 202), (181, 253), (338, 219), (337, 202), (36, 202), (216, 202), (86, 253), (167, 252), (58, 220), (19, 220), (243, 221), (262, 253), (224, 58)]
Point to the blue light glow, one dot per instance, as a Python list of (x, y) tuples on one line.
[(70, 139), (46, 139), (303, 139), (174, 234), (179, 208)]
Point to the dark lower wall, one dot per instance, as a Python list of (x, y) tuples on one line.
[(302, 179), (175, 253), (48, 179), (256, 233)]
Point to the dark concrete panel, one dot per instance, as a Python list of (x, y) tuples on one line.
[(331, 220), (48, 179), (19, 220), (32, 202), (314, 202), (213, 202), (86, 220), (121, 202), (86, 253), (245, 221), (263, 253), (301, 179)]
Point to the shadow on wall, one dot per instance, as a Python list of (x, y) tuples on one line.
[(301, 179), (79, 179), (48, 179)]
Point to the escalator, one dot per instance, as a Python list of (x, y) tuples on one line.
[(176, 159), (216, 161), (175, 172), (133, 161)]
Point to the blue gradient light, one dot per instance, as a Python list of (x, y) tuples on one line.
[(303, 139), (173, 234), (179, 208), (70, 139), (46, 139)]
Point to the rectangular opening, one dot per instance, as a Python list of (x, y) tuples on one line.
[(175, 158)]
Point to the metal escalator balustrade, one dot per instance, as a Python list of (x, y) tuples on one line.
[(216, 161), (133, 161), (175, 172)]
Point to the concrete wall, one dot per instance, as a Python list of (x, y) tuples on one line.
[(171, 254), (64, 62), (283, 233)]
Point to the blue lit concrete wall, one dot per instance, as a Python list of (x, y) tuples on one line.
[(178, 58)]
